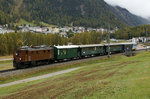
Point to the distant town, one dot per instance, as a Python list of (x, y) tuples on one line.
[(64, 30), (45, 30)]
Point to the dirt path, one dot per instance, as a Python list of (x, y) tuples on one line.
[(39, 77)]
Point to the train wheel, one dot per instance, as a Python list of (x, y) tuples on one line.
[(16, 65), (51, 61)]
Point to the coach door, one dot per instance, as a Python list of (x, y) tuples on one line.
[(29, 56)]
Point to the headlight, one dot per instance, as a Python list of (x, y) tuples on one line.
[(16, 54), (20, 59)]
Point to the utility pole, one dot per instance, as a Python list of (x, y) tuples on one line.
[(146, 38), (109, 41)]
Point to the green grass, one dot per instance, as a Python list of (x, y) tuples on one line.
[(7, 61), (46, 71), (117, 78), (23, 22), (146, 44), (6, 57), (5, 65), (47, 25)]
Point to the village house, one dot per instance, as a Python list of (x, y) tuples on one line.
[(141, 39)]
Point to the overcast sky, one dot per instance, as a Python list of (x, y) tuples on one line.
[(138, 7)]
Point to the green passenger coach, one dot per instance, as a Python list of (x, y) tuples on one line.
[(66, 52), (89, 50), (115, 47), (120, 47), (129, 46)]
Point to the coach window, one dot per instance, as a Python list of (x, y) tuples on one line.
[(58, 52), (48, 51), (64, 51), (95, 48), (37, 52), (100, 47)]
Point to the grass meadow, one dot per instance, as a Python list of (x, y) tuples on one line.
[(5, 65), (6, 57), (119, 77)]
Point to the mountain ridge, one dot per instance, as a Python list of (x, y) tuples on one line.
[(88, 13), (128, 17)]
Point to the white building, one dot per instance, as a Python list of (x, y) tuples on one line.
[(140, 39), (3, 31)]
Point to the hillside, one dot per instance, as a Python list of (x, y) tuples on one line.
[(89, 13), (128, 17), (131, 32)]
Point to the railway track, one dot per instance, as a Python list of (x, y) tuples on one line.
[(11, 72), (8, 70)]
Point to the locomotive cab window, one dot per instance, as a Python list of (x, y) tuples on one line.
[(32, 52), (26, 53), (44, 51), (37, 52)]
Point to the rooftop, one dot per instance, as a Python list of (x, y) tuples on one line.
[(36, 48)]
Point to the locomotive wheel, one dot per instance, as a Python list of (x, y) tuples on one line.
[(22, 66), (51, 62), (16, 65)]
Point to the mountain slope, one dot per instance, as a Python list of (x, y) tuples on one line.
[(89, 13), (128, 17), (5, 11)]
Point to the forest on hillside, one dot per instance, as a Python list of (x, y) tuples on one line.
[(88, 13), (12, 41), (130, 32)]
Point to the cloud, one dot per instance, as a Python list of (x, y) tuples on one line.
[(138, 7)]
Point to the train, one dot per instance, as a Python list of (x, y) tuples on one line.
[(26, 56)]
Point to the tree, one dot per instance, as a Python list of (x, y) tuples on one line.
[(3, 47), (19, 43)]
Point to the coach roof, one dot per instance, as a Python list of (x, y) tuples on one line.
[(126, 43), (66, 47), (91, 45)]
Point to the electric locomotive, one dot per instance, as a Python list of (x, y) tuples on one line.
[(39, 55)]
